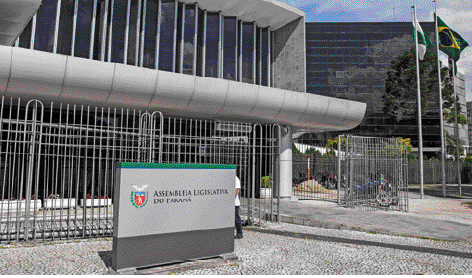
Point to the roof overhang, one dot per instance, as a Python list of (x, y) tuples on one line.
[(14, 15), (59, 78), (266, 13)]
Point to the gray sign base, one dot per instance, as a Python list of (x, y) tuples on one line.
[(229, 257), (177, 267), (124, 271)]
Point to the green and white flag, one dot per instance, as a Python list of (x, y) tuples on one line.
[(423, 40)]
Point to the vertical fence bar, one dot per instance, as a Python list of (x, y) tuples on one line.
[(338, 169), (279, 132)]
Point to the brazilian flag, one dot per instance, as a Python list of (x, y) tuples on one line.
[(450, 42)]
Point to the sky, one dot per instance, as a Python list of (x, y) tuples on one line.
[(457, 14)]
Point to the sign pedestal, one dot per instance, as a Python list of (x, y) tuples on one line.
[(169, 213)]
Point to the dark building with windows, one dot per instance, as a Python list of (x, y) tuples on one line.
[(351, 61)]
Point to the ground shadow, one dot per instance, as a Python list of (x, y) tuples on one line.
[(467, 204), (106, 257), (452, 191)]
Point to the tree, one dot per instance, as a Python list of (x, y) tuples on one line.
[(451, 144), (400, 99), (294, 148), (403, 145)]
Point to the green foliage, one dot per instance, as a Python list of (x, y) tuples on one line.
[(400, 99), (468, 159), (294, 148), (404, 145), (333, 143), (311, 150), (449, 117), (265, 182), (451, 144)]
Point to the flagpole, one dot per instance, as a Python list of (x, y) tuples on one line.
[(441, 117), (456, 130), (420, 133)]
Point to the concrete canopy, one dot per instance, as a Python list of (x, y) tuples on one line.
[(266, 13), (14, 15), (53, 77)]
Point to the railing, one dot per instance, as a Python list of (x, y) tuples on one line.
[(57, 163)]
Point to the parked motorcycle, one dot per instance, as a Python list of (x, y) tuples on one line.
[(326, 180), (384, 193)]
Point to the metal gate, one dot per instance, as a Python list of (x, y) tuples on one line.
[(363, 172), (58, 162), (314, 167), (373, 173)]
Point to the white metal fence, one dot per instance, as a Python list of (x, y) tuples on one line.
[(58, 161)]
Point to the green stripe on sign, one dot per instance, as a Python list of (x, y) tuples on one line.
[(173, 165)]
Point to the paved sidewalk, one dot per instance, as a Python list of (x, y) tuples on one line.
[(431, 217)]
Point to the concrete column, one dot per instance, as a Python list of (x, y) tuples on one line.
[(285, 163)]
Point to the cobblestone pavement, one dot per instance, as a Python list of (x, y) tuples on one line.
[(273, 249), (293, 249)]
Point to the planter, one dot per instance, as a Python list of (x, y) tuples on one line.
[(59, 203), (12, 206), (266, 193), (95, 202)]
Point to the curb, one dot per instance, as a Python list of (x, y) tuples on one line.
[(336, 226)]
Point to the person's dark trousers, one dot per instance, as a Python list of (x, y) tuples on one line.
[(239, 229)]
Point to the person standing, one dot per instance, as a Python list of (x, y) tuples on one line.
[(239, 230)]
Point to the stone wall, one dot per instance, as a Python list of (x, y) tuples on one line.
[(288, 60)]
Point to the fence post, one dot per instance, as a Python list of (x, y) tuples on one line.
[(339, 170)]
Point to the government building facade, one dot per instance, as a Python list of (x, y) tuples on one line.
[(88, 83)]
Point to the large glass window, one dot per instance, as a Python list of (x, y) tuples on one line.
[(212, 40), (239, 46), (45, 26), (118, 31), (189, 39), (200, 42), (64, 39), (179, 37), (248, 53), (229, 43), (265, 57), (133, 32), (166, 41), (149, 56), (258, 56), (100, 34), (25, 37), (83, 28)]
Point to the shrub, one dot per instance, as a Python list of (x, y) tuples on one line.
[(266, 182)]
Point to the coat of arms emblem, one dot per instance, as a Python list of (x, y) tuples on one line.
[(139, 198)]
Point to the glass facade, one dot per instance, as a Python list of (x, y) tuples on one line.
[(248, 53), (167, 35), (118, 30), (44, 30), (212, 41), (83, 29), (189, 43), (351, 61), (64, 39), (150, 26), (157, 34), (230, 50)]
